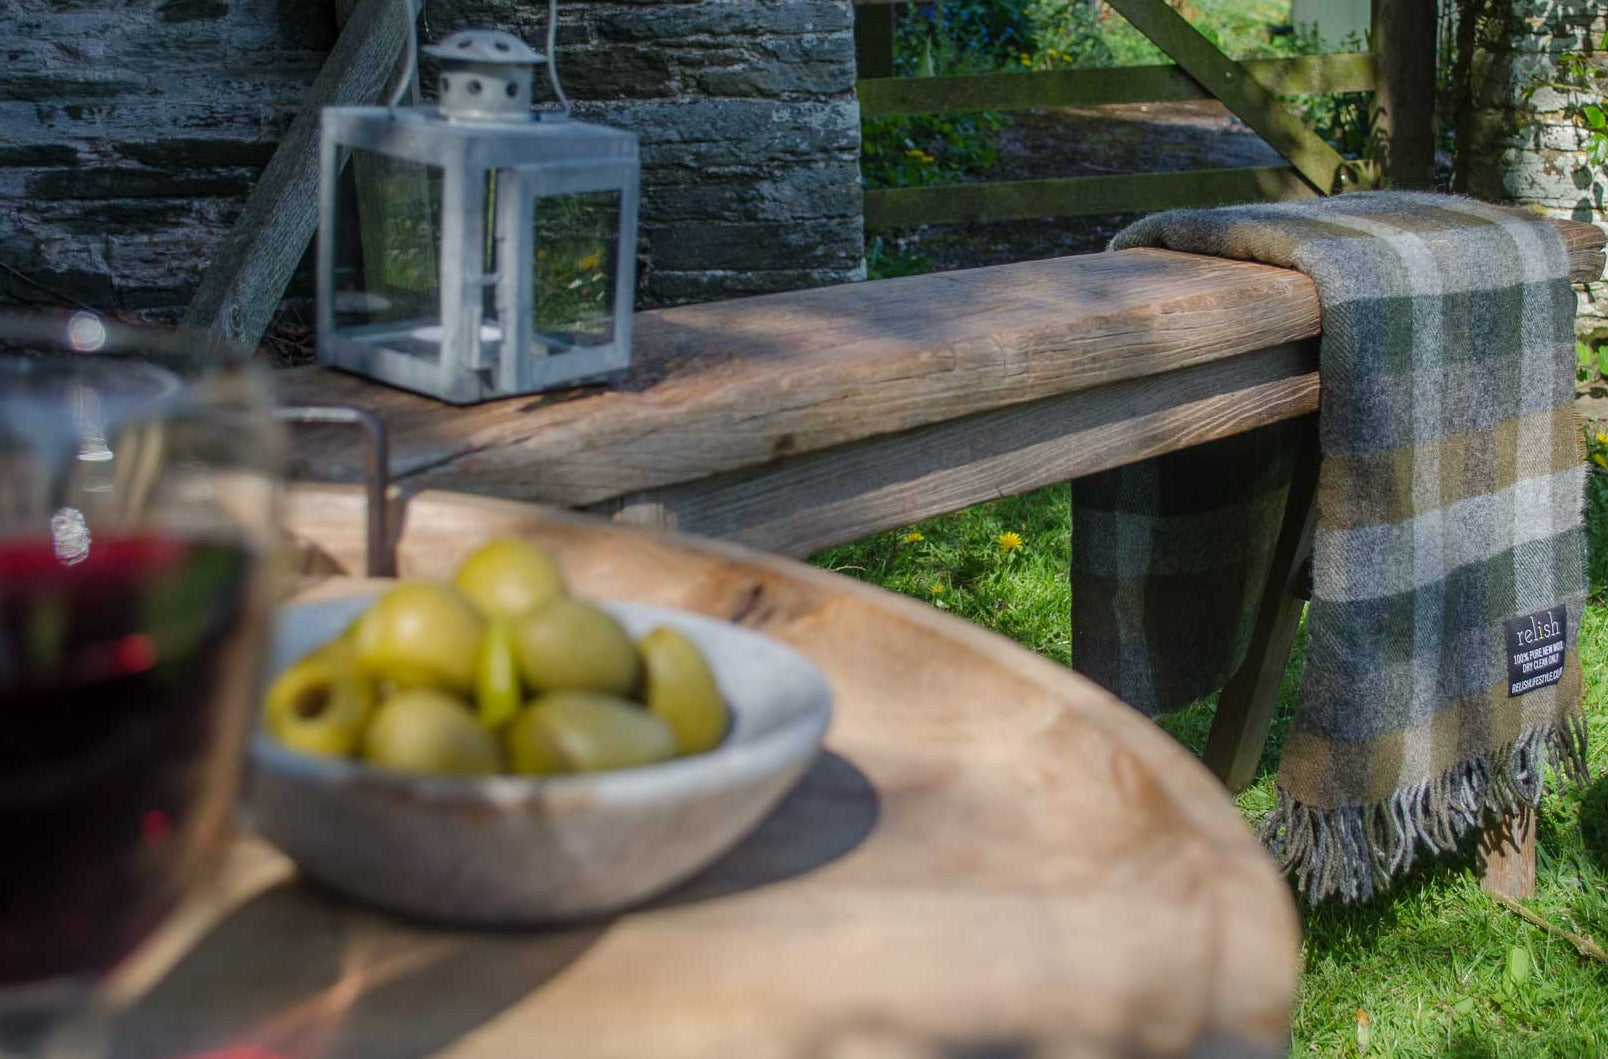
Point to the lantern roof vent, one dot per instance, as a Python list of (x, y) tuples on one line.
[(485, 46), (485, 76)]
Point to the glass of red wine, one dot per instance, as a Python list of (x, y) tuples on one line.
[(138, 482)]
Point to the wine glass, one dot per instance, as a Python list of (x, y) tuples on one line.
[(138, 488)]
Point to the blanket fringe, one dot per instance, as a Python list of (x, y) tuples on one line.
[(1355, 851)]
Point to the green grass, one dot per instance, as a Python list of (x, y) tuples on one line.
[(1436, 965)]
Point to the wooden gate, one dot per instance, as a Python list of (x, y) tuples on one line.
[(1399, 69)]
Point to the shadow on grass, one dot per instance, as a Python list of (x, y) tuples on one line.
[(1594, 822)]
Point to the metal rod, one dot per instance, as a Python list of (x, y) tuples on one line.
[(378, 558)]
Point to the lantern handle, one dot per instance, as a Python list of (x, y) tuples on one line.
[(552, 55)]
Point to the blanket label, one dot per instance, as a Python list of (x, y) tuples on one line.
[(1535, 644)]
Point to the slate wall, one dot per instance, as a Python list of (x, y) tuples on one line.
[(132, 130), (1518, 140)]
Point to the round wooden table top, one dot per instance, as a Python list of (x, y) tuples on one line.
[(992, 857)]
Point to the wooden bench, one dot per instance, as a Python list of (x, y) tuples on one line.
[(796, 421)]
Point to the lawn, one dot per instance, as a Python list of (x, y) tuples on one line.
[(1434, 967)]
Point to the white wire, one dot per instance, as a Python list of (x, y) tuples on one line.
[(552, 54), (408, 83)]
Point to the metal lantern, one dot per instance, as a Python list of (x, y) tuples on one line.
[(476, 249)]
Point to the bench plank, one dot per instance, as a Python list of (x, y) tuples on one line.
[(734, 407)]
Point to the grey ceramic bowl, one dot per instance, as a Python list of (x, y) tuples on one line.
[(511, 850)]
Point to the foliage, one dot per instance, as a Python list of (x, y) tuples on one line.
[(961, 36), (1082, 33), (927, 150), (1004, 565), (885, 259)]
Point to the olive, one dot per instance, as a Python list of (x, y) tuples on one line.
[(678, 686), (569, 644), (509, 576), (320, 705), (530, 747), (421, 634), (497, 696), (593, 731), (424, 730)]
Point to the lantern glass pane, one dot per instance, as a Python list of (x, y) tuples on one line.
[(388, 253), (577, 242)]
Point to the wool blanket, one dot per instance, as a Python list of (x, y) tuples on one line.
[(1448, 570)]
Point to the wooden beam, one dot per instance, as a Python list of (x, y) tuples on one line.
[(1403, 135), (1227, 80), (253, 263), (873, 41), (797, 507), (1245, 705), (1307, 74), (1015, 200), (728, 386)]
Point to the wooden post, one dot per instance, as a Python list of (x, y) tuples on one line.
[(1403, 43), (873, 40), (1245, 706), (249, 270), (1507, 856)]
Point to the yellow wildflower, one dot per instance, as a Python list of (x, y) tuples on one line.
[(1009, 541), (921, 156), (936, 589), (913, 536), (590, 261), (1600, 460), (1602, 438)]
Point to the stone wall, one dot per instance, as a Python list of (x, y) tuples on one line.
[(1519, 141), (131, 131)]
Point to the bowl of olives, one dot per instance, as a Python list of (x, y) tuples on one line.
[(494, 751)]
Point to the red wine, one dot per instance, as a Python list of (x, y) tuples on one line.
[(120, 675)]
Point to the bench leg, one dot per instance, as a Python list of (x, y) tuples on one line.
[(1507, 855), (1245, 706)]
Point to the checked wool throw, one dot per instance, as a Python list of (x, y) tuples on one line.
[(1448, 570)]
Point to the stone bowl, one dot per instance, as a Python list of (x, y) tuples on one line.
[(517, 850)]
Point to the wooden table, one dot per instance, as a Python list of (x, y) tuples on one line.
[(992, 856)]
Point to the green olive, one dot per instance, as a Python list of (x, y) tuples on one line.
[(497, 696), (530, 747), (594, 731), (320, 705), (428, 731), (569, 644), (678, 686), (421, 634), (509, 576)]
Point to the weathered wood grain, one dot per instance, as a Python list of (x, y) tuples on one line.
[(1246, 703), (1015, 200), (882, 94), (1403, 107), (1238, 91), (841, 494), (1585, 244), (251, 266), (732, 385), (994, 856)]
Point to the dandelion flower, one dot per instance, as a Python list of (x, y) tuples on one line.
[(1602, 438), (913, 536), (1599, 460), (936, 589), (1009, 541)]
